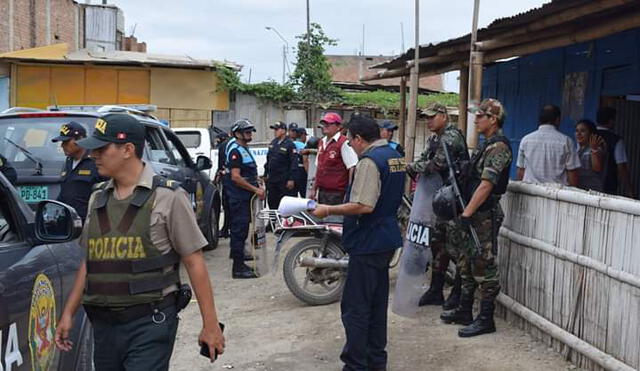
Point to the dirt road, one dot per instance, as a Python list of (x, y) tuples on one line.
[(268, 329)]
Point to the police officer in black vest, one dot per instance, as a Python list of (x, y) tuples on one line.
[(139, 228), (371, 235), (241, 183), (280, 167), (79, 173)]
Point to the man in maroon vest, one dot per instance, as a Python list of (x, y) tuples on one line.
[(336, 159)]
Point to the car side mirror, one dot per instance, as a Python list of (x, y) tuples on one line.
[(203, 163), (57, 222)]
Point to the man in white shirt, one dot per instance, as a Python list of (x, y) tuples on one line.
[(547, 155), (335, 162)]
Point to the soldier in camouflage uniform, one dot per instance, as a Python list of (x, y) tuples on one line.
[(487, 179), (444, 236)]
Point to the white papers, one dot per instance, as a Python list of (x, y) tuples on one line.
[(293, 205)]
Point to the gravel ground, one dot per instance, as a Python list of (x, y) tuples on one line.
[(269, 329)]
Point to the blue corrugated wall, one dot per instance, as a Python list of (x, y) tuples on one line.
[(526, 84)]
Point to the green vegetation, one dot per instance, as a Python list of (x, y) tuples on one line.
[(391, 100)]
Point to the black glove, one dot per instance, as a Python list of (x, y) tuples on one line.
[(464, 221)]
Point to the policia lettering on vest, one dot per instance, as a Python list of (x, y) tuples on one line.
[(371, 234), (139, 228), (487, 179)]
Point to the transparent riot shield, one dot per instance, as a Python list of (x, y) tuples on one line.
[(416, 255), (257, 249)]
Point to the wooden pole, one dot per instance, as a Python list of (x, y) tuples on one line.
[(402, 124), (410, 134), (464, 99), (475, 78)]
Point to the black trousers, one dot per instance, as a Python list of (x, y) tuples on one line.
[(301, 187), (141, 344), (275, 192), (240, 218), (364, 311)]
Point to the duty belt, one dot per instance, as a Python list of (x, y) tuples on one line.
[(129, 314)]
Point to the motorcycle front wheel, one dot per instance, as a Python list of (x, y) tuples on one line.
[(314, 286)]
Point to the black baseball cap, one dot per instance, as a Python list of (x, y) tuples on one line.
[(293, 126), (301, 130), (388, 124), (279, 125), (115, 128), (71, 130)]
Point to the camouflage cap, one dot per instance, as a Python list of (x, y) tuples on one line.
[(433, 109), (490, 106)]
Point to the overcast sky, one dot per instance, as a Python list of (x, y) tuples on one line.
[(235, 29)]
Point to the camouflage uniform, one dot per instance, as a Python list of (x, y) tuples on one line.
[(482, 270), (446, 238)]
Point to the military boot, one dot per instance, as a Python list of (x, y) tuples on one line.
[(241, 270), (453, 300), (484, 322), (462, 315), (434, 296)]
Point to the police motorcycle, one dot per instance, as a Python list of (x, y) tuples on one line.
[(315, 268)]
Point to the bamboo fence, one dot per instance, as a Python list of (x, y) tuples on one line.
[(570, 272)]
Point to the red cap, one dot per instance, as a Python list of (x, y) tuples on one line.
[(331, 118)]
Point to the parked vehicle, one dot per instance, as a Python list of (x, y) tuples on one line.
[(202, 142), (37, 270), (26, 143)]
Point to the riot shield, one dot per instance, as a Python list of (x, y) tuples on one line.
[(416, 255), (257, 249), (311, 173)]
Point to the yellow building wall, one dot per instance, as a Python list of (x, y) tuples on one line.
[(187, 89), (40, 86)]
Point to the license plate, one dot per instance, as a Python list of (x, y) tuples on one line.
[(33, 194)]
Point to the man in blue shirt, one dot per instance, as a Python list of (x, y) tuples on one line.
[(371, 235), (387, 127)]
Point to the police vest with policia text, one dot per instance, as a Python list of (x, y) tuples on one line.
[(124, 268)]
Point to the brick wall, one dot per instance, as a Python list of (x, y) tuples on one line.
[(30, 23)]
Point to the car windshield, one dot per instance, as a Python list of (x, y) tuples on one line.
[(26, 141), (190, 139)]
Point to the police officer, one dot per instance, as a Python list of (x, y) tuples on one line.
[(281, 163), (300, 172), (371, 235), (139, 228), (387, 127), (488, 179), (79, 173), (241, 183), (447, 235), (292, 132), (7, 170)]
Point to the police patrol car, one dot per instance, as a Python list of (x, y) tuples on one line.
[(25, 136), (37, 269)]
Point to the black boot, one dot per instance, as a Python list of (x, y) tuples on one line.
[(462, 315), (484, 322), (241, 270), (454, 296), (434, 296)]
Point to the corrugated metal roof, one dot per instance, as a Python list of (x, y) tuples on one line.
[(497, 27), (59, 54)]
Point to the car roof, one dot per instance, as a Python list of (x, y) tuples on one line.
[(145, 119)]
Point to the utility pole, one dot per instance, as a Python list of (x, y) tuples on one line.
[(475, 78), (308, 25), (285, 47), (410, 133)]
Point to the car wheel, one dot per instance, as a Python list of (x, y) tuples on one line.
[(213, 230)]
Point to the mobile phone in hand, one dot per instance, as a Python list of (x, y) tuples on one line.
[(204, 347)]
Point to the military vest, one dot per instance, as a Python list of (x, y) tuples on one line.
[(378, 231), (124, 268), (474, 177)]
